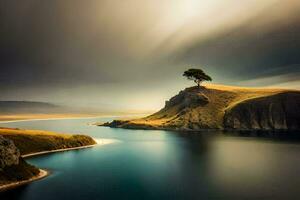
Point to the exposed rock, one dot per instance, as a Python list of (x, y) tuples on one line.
[(12, 166), (114, 123), (276, 112), (9, 154), (187, 98), (223, 107)]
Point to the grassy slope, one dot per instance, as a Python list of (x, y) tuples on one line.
[(32, 141), (211, 115)]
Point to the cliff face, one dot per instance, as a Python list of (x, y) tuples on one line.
[(12, 166), (280, 111), (187, 99), (192, 109), (9, 154), (223, 107)]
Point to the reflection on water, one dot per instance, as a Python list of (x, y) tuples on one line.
[(166, 165), (265, 169)]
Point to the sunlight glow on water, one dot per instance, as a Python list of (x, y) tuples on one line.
[(102, 141)]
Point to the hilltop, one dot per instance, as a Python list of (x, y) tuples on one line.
[(223, 107)]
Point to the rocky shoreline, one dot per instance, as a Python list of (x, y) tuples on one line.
[(17, 144), (43, 173)]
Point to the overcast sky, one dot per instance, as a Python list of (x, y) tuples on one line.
[(131, 54)]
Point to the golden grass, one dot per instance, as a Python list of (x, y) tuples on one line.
[(238, 88), (221, 98), (244, 93), (33, 141), (15, 131)]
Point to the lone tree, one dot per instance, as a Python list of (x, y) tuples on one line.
[(197, 75)]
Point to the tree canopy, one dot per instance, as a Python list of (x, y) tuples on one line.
[(197, 75)]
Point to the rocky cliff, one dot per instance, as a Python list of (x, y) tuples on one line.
[(223, 107), (17, 142), (12, 166), (280, 111), (9, 154)]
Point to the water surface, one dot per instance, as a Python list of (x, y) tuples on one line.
[(163, 165)]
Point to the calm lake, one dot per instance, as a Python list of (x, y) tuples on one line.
[(144, 164)]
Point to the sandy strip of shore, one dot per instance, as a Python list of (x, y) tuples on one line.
[(57, 150), (42, 174), (99, 142)]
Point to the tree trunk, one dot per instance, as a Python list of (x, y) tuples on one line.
[(199, 83)]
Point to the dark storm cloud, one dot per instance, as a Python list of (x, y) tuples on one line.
[(248, 51), (37, 47), (109, 45), (60, 43)]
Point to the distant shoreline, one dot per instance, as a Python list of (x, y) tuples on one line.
[(49, 117), (66, 117), (44, 119)]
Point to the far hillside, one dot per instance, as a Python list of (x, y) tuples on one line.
[(27, 110), (15, 107)]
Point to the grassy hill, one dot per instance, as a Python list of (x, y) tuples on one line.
[(214, 106), (32, 141)]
